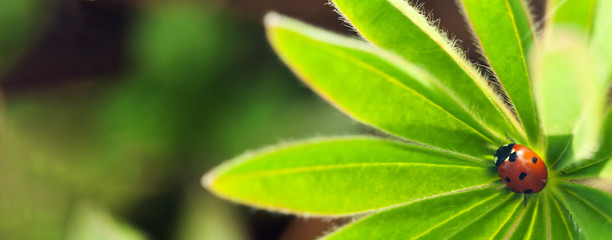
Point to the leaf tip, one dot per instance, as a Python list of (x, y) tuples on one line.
[(208, 180), (272, 19)]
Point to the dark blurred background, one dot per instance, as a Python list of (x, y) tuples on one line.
[(111, 111)]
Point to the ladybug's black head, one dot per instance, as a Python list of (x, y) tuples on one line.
[(502, 153)]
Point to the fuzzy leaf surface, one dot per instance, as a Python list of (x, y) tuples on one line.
[(505, 41), (454, 214), (590, 209), (562, 224), (401, 28), (351, 76), (345, 176)]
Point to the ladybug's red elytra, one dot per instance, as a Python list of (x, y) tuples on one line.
[(520, 168)]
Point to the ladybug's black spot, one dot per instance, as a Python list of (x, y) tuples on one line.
[(507, 179), (534, 160), (522, 176), (528, 191), (512, 157)]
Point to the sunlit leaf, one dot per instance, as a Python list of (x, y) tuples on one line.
[(534, 225), (396, 23), (562, 224), (524, 22), (590, 209), (351, 75), (399, 27), (344, 176), (504, 41), (493, 223), (453, 213)]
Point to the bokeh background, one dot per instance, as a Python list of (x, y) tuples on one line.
[(112, 110)]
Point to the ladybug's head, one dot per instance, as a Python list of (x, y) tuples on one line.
[(502, 153)]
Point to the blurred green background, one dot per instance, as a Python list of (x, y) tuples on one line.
[(111, 111)]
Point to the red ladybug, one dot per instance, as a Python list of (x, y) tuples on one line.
[(520, 168)]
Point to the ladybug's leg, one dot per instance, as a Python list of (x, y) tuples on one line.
[(525, 199)]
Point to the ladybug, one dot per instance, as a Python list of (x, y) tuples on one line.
[(520, 168)]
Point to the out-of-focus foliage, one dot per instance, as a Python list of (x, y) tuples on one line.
[(199, 88), (205, 217), (91, 222), (18, 25)]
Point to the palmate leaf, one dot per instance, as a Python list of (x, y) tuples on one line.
[(344, 176), (489, 213), (351, 75), (436, 190), (504, 38), (453, 213), (393, 24), (589, 209)]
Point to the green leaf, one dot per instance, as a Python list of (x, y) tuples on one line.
[(562, 224), (351, 75), (453, 213), (343, 176), (534, 225), (523, 19), (605, 171), (504, 231), (522, 228), (504, 40), (396, 26), (590, 208), (493, 223), (599, 163), (558, 150), (89, 222)]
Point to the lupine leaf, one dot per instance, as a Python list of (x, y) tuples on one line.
[(399, 27), (351, 76), (500, 36), (590, 209), (562, 224), (344, 176), (434, 218), (522, 229), (493, 222)]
